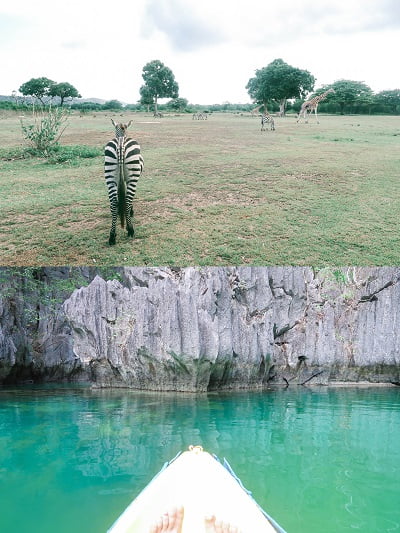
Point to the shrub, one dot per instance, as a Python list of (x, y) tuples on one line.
[(45, 132), (72, 154)]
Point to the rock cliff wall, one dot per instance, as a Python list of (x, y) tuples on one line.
[(197, 329)]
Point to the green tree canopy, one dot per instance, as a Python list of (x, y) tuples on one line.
[(278, 82), (146, 97), (159, 82), (113, 104), (349, 92), (37, 87), (178, 104), (63, 90), (390, 99)]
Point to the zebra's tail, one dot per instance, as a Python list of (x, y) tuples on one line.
[(121, 196)]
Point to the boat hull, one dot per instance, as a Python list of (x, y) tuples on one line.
[(204, 487)]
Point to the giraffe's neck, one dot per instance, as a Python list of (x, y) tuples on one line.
[(321, 96)]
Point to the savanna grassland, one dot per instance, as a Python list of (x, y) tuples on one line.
[(214, 192)]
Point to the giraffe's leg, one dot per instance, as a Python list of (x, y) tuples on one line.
[(316, 116), (301, 112)]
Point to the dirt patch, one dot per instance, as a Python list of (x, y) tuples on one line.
[(14, 258), (88, 223), (53, 217), (202, 199), (87, 139)]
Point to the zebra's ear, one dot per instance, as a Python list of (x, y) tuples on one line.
[(129, 123), (114, 123)]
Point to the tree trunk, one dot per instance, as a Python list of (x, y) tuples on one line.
[(282, 106), (155, 105)]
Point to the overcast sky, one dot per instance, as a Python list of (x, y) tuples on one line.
[(213, 47)]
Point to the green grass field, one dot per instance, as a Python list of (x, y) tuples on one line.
[(214, 192)]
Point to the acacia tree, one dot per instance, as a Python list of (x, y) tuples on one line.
[(159, 82), (63, 90), (279, 81), (348, 93), (37, 87)]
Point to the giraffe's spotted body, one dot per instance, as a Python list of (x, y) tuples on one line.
[(312, 105)]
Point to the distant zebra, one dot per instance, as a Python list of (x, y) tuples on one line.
[(199, 116), (123, 165), (265, 119)]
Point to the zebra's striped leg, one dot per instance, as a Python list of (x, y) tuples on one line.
[(129, 216), (130, 194), (114, 216)]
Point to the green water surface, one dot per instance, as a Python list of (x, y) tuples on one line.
[(323, 460)]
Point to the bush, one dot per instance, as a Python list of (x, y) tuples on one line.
[(113, 105), (11, 154), (45, 132), (72, 154), (85, 107), (6, 104)]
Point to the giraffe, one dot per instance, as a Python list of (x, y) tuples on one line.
[(256, 111), (311, 105)]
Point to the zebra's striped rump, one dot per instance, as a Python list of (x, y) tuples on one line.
[(123, 164)]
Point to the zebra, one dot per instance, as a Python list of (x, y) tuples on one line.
[(265, 119), (123, 164), (199, 116)]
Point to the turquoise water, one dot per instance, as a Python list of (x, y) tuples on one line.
[(325, 460)]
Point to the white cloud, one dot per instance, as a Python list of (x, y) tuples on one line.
[(185, 25)]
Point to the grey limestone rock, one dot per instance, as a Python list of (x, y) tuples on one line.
[(204, 328)]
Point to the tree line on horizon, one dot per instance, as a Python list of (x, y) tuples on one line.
[(278, 87)]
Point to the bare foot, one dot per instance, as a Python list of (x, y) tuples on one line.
[(170, 522), (216, 526)]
